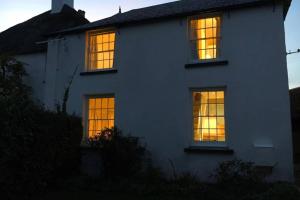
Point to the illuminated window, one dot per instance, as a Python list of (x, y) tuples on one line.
[(208, 113), (205, 34), (101, 114), (100, 50)]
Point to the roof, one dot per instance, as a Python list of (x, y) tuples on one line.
[(23, 38), (169, 10)]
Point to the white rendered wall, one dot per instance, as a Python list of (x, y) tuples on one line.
[(153, 89), (35, 66)]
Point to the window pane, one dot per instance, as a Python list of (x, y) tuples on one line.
[(111, 46), (105, 124), (101, 51), (220, 109), (209, 116), (205, 30), (92, 103), (91, 124), (106, 64), (209, 22), (210, 44), (104, 103), (220, 122), (205, 134), (98, 114), (213, 134), (205, 122), (100, 64), (111, 123), (201, 23), (212, 97), (99, 39), (105, 46), (197, 135), (112, 37), (111, 103), (204, 97), (204, 109), (210, 53), (209, 33), (111, 114), (212, 110), (212, 122), (101, 115), (111, 55), (105, 38), (99, 48)]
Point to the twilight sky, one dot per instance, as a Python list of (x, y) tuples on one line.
[(13, 12)]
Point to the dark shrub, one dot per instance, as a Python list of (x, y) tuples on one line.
[(279, 191), (36, 146), (241, 179), (236, 172), (121, 156)]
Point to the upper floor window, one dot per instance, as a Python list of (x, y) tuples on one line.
[(209, 117), (205, 34), (100, 51)]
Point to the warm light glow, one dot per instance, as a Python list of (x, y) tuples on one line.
[(209, 120), (101, 114), (101, 50), (205, 34)]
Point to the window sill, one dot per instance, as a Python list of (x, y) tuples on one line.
[(107, 71), (208, 150), (208, 63)]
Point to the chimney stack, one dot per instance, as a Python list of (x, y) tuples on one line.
[(57, 5), (81, 12)]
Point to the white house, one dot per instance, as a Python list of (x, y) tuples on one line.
[(27, 41), (200, 81)]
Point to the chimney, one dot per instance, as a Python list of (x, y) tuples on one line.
[(57, 5), (81, 12)]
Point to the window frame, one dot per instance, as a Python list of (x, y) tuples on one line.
[(89, 68), (208, 143), (86, 111), (218, 42)]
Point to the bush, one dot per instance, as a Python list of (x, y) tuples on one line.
[(279, 191), (236, 172), (36, 146), (240, 179), (121, 156)]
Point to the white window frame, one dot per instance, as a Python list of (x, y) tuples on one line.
[(219, 38), (208, 143), (88, 67), (86, 112)]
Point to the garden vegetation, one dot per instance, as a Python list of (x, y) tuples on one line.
[(40, 159)]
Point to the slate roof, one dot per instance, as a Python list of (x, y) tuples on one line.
[(168, 10), (23, 38)]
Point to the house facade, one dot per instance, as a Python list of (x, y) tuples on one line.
[(27, 41), (200, 82)]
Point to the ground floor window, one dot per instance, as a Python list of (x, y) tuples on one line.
[(209, 116), (101, 114)]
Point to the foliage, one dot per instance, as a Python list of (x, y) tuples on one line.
[(121, 156), (279, 191), (36, 146), (236, 172)]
